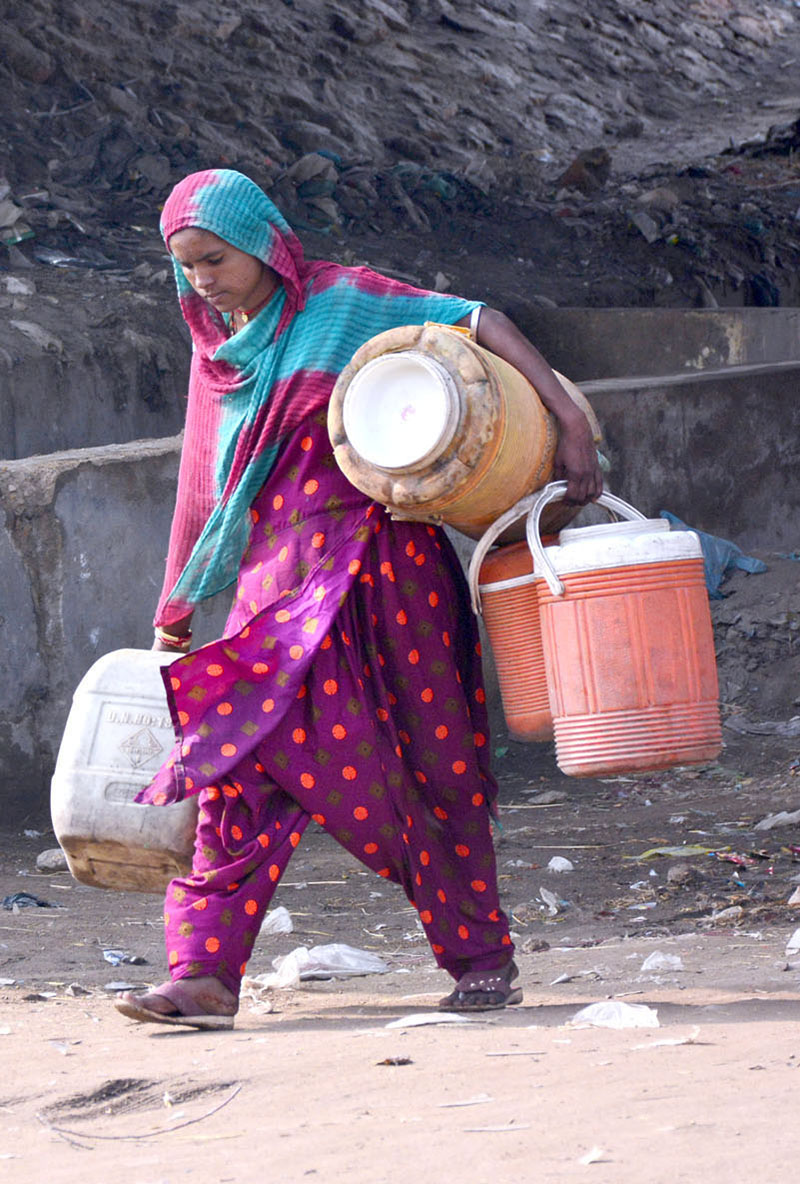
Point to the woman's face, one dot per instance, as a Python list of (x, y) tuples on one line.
[(222, 274)]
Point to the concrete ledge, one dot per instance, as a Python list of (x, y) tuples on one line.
[(589, 343), (83, 536)]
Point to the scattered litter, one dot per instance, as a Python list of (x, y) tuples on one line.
[(7, 982), (674, 1041), (740, 860), (32, 834), (277, 921), (479, 1100), (570, 978), (659, 961), (520, 1053), (320, 962), (85, 257), (497, 1130), (118, 957), (781, 819), (26, 900), (63, 1046), (793, 944), (395, 1061), (255, 995), (550, 900), (731, 913), (596, 1155), (720, 556), (5, 1031), (794, 899), (559, 864), (612, 1013), (121, 985), (673, 852), (76, 989), (418, 1019)]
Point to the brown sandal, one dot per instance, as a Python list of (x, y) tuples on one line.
[(484, 990), (188, 1012)]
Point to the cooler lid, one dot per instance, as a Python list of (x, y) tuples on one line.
[(621, 544)]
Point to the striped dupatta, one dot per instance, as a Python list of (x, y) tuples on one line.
[(249, 392)]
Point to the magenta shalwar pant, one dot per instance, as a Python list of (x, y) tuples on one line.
[(386, 747)]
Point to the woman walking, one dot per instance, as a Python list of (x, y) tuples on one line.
[(347, 685)]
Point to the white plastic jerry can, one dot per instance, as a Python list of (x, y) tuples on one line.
[(118, 734)]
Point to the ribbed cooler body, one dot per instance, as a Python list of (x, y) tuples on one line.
[(631, 670)]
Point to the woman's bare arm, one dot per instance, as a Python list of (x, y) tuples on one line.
[(576, 459)]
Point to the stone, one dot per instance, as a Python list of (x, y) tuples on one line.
[(52, 860)]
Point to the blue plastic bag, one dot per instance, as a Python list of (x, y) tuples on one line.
[(720, 556)]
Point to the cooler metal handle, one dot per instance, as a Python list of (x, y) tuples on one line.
[(551, 493)]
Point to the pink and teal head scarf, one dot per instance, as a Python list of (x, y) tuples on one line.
[(248, 393)]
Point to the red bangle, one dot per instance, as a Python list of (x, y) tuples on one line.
[(173, 640)]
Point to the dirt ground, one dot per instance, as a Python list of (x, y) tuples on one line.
[(699, 207), (316, 1079)]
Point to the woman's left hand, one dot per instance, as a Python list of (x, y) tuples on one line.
[(576, 460)]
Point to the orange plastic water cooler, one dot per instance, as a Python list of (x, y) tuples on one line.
[(627, 641), (503, 588)]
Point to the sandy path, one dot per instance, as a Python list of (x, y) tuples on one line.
[(302, 1093)]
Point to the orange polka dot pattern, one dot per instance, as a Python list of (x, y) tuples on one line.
[(348, 689)]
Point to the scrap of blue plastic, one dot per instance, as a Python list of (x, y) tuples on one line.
[(720, 556)]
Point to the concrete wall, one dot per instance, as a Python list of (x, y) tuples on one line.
[(720, 449), (589, 343), (83, 533)]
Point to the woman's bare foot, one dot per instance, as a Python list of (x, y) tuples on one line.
[(195, 1002)]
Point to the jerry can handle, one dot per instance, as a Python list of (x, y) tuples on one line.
[(552, 493), (518, 510)]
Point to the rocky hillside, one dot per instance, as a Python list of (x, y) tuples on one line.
[(572, 138)]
